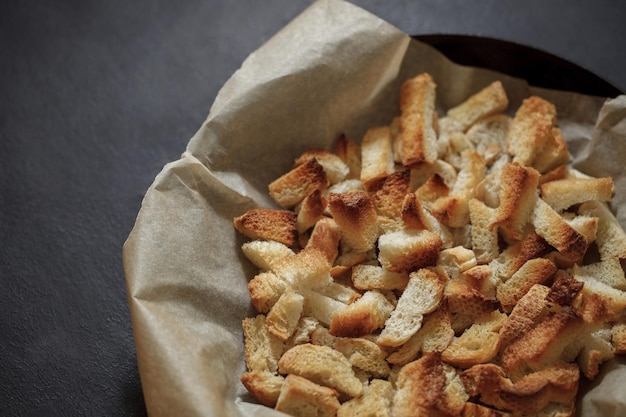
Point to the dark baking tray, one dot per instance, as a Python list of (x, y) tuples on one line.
[(538, 67)]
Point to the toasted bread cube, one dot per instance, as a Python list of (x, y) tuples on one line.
[(265, 289), (284, 316), (428, 387), (478, 344), (350, 153), (562, 194), (484, 239), (373, 277), (421, 296), (325, 238), (525, 314), (530, 395), (376, 157), (364, 355), (292, 187), (336, 169), (304, 398), (389, 197), (310, 211), (418, 121), (263, 349), (453, 209), (362, 317), (543, 345), (265, 254), (518, 194), (555, 230), (268, 224), (408, 250), (320, 306), (435, 335), (322, 365), (534, 271), (375, 401), (264, 386), (553, 154), (355, 214), (488, 101), (610, 237), (530, 129)]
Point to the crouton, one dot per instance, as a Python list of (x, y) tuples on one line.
[(292, 187), (268, 224)]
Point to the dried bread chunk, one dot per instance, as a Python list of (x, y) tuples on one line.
[(408, 250), (557, 232), (373, 277), (268, 224), (518, 194), (389, 196), (530, 394), (564, 193), (355, 214), (304, 398), (418, 121), (284, 316), (364, 355), (453, 210), (490, 100), (265, 254), (484, 238), (263, 349), (264, 386), (434, 336), (322, 365), (422, 295), (530, 129), (554, 153), (310, 210), (336, 169), (350, 153), (478, 344), (611, 237), (292, 187), (375, 402), (362, 317), (325, 238), (427, 387), (376, 156), (534, 271)]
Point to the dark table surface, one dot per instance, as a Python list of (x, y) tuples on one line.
[(96, 96)]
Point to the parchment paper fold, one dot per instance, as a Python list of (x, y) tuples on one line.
[(334, 69)]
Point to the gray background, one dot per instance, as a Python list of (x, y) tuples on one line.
[(95, 97)]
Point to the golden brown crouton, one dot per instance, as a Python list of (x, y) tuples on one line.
[(376, 157), (264, 386), (428, 387), (421, 296), (530, 129), (488, 101), (292, 187), (418, 121), (355, 214), (408, 250), (518, 193), (350, 153), (562, 194), (322, 365), (304, 398), (268, 224)]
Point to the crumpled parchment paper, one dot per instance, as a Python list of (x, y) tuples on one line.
[(334, 69)]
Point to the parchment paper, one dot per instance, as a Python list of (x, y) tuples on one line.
[(334, 69)]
